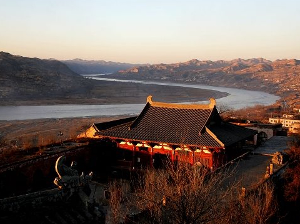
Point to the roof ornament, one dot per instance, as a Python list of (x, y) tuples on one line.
[(210, 105), (149, 99)]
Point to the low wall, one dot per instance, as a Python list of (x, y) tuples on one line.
[(32, 200), (37, 173)]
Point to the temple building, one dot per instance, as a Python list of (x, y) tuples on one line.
[(192, 133)]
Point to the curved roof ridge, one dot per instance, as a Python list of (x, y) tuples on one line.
[(139, 116), (210, 105), (214, 136), (207, 119), (94, 126)]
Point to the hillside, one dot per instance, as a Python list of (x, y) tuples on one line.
[(281, 77), (32, 81), (24, 78), (96, 67)]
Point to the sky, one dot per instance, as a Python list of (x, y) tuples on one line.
[(151, 31)]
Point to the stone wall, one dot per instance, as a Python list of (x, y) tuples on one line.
[(37, 173)]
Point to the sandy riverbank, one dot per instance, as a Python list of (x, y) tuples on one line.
[(16, 137), (106, 92)]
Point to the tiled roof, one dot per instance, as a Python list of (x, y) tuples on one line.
[(173, 124), (114, 123), (230, 133)]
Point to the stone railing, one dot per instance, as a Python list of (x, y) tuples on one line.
[(33, 200)]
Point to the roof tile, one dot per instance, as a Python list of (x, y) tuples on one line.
[(173, 124)]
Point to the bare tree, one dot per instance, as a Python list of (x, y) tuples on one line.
[(256, 207), (224, 109), (118, 191), (186, 194), (182, 194), (292, 174)]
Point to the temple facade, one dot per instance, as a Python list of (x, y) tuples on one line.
[(192, 133)]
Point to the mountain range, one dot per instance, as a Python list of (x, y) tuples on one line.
[(281, 77), (32, 81), (96, 66)]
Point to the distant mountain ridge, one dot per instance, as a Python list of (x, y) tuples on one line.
[(96, 66), (32, 81), (25, 78), (281, 77), (36, 81)]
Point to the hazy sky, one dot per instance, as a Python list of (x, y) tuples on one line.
[(151, 31)]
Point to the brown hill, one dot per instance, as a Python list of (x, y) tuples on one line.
[(96, 66), (32, 81), (281, 77), (25, 78)]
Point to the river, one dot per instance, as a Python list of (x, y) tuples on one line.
[(236, 99)]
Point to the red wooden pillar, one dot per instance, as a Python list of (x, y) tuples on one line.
[(151, 156), (193, 162), (133, 156), (151, 152), (211, 164)]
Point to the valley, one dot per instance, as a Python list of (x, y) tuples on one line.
[(280, 77)]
